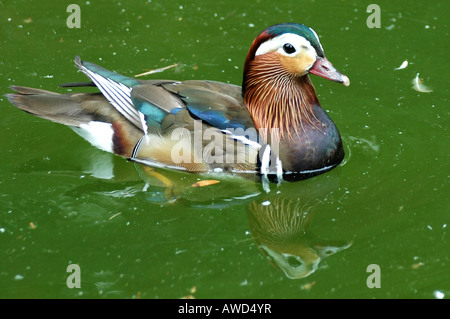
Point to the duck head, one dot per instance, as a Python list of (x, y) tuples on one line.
[(279, 95), (293, 48)]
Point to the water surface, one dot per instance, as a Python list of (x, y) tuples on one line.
[(64, 202)]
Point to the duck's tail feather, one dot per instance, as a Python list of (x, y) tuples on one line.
[(89, 114), (60, 108)]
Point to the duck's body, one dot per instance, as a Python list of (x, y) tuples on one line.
[(271, 126)]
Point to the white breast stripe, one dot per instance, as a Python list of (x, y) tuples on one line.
[(265, 168), (265, 161), (279, 167)]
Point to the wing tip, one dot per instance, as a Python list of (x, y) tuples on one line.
[(12, 98), (78, 61)]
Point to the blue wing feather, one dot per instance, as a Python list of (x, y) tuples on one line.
[(215, 118), (218, 104), (130, 82)]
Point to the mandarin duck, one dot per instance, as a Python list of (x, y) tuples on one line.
[(271, 127)]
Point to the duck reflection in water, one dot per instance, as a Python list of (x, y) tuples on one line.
[(278, 220), (279, 227)]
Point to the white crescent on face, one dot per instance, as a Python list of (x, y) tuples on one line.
[(276, 44), (299, 46)]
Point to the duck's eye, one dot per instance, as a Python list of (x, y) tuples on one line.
[(288, 48)]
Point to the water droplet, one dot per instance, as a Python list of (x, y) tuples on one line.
[(438, 294), (18, 277)]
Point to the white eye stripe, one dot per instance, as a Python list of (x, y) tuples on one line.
[(276, 44)]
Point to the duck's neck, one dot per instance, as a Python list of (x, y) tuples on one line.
[(278, 100)]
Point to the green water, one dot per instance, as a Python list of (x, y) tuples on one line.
[(64, 202)]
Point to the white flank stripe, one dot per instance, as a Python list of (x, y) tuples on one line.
[(243, 139), (99, 134)]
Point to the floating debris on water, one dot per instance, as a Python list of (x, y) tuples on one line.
[(18, 277), (438, 294), (403, 65), (158, 70), (419, 86), (308, 286), (417, 265), (191, 293), (113, 216)]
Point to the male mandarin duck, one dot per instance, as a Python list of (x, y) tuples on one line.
[(271, 127)]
